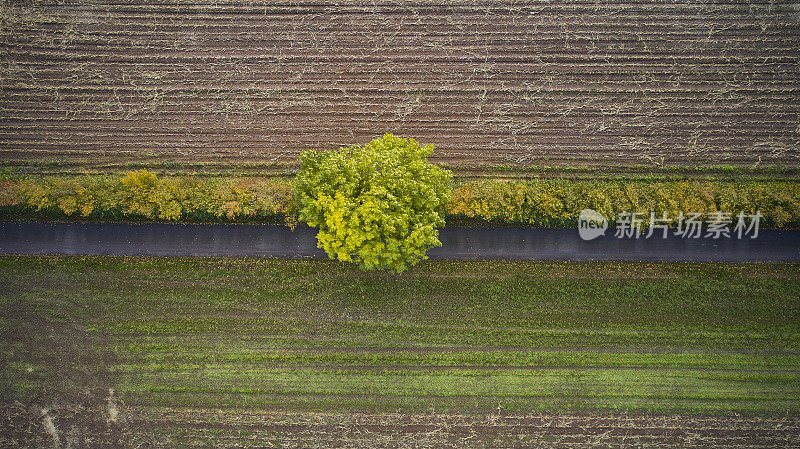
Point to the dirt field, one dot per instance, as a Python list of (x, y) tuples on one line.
[(104, 85), (229, 428)]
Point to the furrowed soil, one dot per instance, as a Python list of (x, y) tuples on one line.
[(247, 85), (168, 352)]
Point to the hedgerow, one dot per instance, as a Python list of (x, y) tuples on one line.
[(557, 202), (143, 195), (540, 203)]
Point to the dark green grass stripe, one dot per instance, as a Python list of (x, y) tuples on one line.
[(200, 358), (687, 384), (409, 404)]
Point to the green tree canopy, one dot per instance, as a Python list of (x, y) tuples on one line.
[(377, 205)]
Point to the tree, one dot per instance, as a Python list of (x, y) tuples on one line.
[(377, 205)]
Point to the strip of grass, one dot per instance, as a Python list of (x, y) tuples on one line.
[(463, 336), (64, 167)]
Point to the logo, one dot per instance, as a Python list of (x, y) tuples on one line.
[(591, 224), (633, 225)]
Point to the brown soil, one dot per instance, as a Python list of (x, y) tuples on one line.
[(564, 84)]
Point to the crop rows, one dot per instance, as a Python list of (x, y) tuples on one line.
[(556, 83), (225, 428)]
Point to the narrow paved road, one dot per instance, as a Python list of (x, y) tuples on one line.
[(158, 239)]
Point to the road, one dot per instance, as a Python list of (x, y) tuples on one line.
[(159, 239)]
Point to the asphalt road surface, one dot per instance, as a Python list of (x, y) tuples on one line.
[(158, 239)]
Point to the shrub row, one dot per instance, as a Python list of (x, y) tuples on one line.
[(141, 194), (557, 202), (542, 203)]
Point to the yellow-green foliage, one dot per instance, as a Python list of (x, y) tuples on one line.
[(557, 202), (250, 197), (546, 202), (378, 205), (80, 196), (143, 194)]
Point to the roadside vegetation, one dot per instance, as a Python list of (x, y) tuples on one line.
[(547, 202), (377, 205)]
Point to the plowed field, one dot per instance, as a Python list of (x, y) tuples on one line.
[(104, 84)]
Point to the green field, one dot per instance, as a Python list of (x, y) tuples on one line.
[(258, 345)]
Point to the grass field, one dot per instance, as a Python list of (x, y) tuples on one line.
[(317, 354)]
